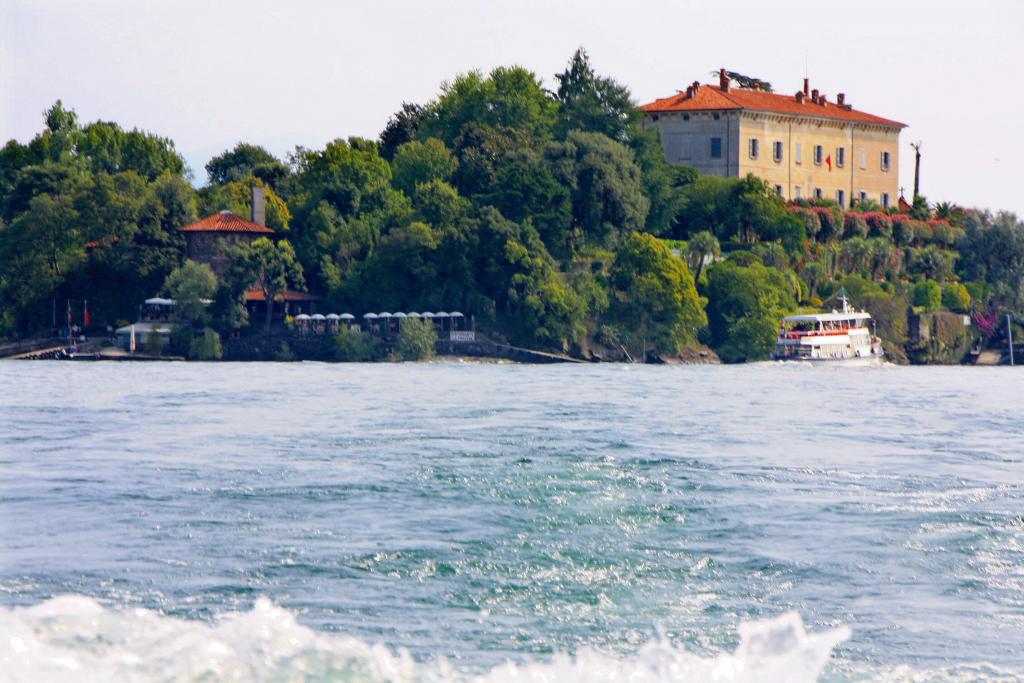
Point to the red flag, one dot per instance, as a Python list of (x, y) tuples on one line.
[(828, 160), (87, 319)]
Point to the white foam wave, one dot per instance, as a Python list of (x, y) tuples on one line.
[(73, 638)]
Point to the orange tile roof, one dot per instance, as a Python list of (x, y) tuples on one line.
[(225, 221), (710, 97), (287, 295)]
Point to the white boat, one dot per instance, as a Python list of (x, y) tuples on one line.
[(840, 337)]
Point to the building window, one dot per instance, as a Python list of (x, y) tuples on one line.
[(715, 116), (863, 160), (778, 190), (841, 199), (819, 154), (885, 200), (840, 156), (817, 193), (755, 147), (799, 156), (885, 161), (777, 150), (796, 192), (686, 117), (716, 148), (863, 197)]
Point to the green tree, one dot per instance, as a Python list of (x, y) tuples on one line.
[(351, 345), (206, 346), (654, 297), (701, 248), (154, 342), (192, 286), (745, 307), (271, 267), (418, 162), (416, 339), (928, 295), (604, 181), (400, 129), (243, 161), (594, 103), (955, 297), (508, 97)]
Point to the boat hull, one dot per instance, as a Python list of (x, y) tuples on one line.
[(865, 361)]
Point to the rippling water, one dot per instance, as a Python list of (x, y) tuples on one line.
[(446, 520)]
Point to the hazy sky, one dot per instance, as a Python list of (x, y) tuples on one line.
[(284, 73)]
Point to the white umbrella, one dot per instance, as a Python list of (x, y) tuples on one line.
[(399, 315), (317, 316), (333, 316), (415, 315), (456, 314), (440, 314), (428, 314), (369, 316), (302, 316), (385, 314), (347, 316)]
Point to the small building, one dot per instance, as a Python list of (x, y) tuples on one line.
[(803, 145), (143, 330), (292, 303), (208, 238)]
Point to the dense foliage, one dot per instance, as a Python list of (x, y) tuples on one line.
[(549, 215)]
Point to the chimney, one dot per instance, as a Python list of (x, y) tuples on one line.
[(757, 85), (689, 92), (723, 80), (696, 87), (822, 99), (814, 96), (807, 86), (258, 213), (841, 99), (799, 96)]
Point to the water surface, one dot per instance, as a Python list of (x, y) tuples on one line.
[(539, 514)]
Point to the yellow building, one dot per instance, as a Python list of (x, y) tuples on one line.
[(802, 145)]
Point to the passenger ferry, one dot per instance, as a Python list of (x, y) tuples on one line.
[(839, 337)]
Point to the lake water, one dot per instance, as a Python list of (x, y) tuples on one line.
[(449, 521)]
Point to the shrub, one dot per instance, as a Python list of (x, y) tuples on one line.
[(923, 233), (206, 346), (181, 339), (854, 226), (942, 232), (831, 219), (879, 224), (154, 342), (931, 263), (351, 345), (416, 339), (902, 230), (928, 295), (284, 353), (955, 297), (978, 291), (809, 218)]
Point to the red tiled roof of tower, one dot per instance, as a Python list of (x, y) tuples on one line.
[(713, 98), (225, 221)]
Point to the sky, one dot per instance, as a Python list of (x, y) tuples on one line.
[(211, 73)]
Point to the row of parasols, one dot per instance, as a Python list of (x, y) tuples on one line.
[(377, 316), (375, 323)]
